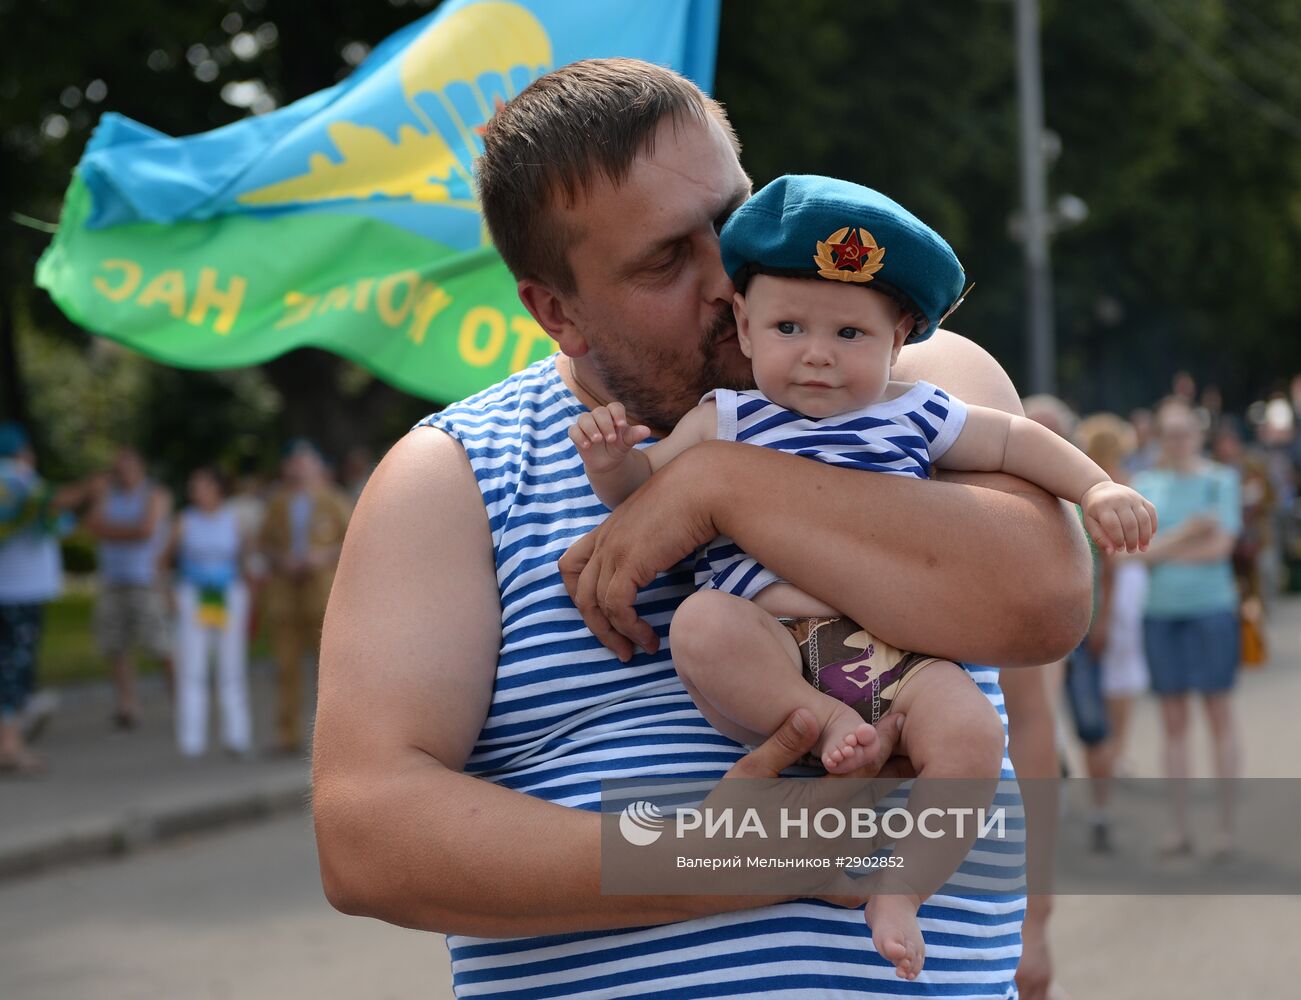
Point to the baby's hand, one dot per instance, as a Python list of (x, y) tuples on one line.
[(604, 437), (1118, 518)]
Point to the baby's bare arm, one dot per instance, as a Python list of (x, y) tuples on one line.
[(994, 441), (1118, 518)]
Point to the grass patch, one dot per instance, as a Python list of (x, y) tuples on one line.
[(68, 654)]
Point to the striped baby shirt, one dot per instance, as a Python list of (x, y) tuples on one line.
[(900, 436)]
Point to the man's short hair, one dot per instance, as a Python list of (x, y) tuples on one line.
[(558, 137)]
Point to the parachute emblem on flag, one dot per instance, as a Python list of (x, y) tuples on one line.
[(430, 161)]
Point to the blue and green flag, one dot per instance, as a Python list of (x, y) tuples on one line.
[(347, 220)]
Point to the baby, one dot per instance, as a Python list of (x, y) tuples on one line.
[(832, 280)]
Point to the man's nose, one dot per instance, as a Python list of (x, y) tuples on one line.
[(718, 286)]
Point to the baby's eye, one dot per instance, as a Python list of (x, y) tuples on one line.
[(786, 326), (850, 333)]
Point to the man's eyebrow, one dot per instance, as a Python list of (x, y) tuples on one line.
[(739, 197)]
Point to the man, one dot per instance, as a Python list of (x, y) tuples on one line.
[(300, 538), (131, 520), (452, 651)]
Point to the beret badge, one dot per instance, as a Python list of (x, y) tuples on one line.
[(849, 254)]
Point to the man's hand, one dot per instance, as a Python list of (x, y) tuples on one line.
[(655, 528), (797, 736), (604, 437), (1118, 518), (1034, 973)]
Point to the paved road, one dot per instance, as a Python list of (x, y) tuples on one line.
[(1198, 947), (235, 915), (240, 914)]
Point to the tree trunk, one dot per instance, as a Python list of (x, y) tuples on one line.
[(13, 397)]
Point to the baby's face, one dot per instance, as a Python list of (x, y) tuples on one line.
[(819, 347)]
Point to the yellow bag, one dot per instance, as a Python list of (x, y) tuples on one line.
[(1255, 652)]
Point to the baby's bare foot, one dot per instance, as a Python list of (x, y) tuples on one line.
[(847, 741), (898, 939)]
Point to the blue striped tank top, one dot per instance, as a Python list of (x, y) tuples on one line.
[(901, 436), (566, 714)]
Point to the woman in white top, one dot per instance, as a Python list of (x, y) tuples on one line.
[(211, 610)]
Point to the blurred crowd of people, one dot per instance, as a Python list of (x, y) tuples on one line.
[(184, 584), (190, 585), (1181, 618)]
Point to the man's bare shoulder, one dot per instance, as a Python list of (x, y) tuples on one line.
[(420, 495), (960, 367), (423, 460)]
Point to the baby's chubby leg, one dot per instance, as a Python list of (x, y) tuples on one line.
[(950, 731), (743, 671)]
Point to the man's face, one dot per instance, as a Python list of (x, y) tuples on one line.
[(652, 304), (302, 467), (128, 469)]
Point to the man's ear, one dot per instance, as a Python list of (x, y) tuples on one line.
[(901, 331), (554, 315), (742, 324)]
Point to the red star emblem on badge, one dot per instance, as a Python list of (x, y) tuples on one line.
[(849, 254)]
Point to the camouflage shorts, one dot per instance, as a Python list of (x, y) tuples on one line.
[(844, 660)]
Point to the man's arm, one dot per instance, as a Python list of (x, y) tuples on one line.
[(1000, 564), (1033, 749), (159, 506), (408, 659)]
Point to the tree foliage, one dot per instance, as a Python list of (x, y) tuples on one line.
[(1180, 128)]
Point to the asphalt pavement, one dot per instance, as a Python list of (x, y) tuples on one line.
[(110, 794), (109, 791)]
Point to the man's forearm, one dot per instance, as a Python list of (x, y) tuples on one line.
[(458, 855), (996, 573), (119, 533)]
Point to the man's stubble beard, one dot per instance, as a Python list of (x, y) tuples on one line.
[(655, 384)]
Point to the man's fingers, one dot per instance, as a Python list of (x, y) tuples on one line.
[(617, 596), (779, 751), (889, 730), (573, 562), (580, 577)]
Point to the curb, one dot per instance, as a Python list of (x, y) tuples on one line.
[(137, 829)]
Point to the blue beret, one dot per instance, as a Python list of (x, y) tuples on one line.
[(821, 227)]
